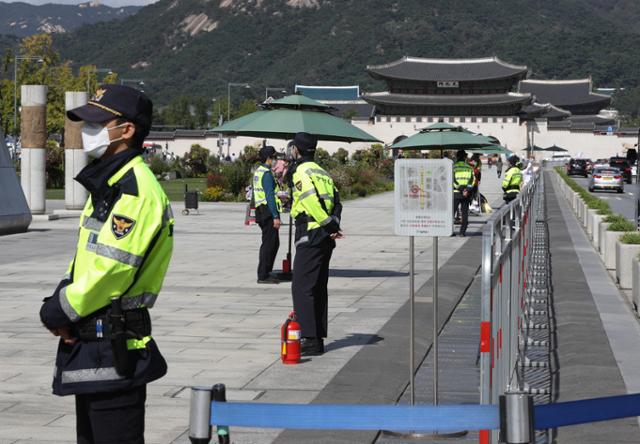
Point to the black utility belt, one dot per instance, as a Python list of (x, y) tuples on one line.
[(301, 219), (137, 325)]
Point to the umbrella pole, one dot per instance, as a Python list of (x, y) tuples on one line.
[(435, 321), (288, 275)]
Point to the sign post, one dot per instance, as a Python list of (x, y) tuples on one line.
[(423, 207)]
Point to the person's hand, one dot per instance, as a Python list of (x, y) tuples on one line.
[(276, 224), (338, 235), (65, 334)]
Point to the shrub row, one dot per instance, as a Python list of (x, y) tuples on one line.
[(589, 199), (618, 222)]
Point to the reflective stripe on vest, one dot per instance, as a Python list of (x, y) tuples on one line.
[(513, 179), (319, 184), (259, 195), (462, 174)]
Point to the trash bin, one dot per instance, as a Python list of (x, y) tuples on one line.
[(190, 200)]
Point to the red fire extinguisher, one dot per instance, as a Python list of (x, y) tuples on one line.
[(290, 340)]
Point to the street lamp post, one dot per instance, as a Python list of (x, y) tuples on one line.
[(96, 70), (15, 93), (276, 88), (229, 85)]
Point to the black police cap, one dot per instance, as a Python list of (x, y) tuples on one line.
[(305, 142), (116, 101), (266, 152)]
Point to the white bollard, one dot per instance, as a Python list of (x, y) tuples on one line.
[(33, 131), (75, 158)]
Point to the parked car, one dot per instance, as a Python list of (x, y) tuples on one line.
[(601, 163), (589, 165), (623, 165), (606, 179), (577, 167)]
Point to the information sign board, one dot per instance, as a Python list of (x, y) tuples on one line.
[(424, 197)]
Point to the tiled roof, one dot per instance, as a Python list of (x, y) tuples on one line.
[(563, 92), (421, 69)]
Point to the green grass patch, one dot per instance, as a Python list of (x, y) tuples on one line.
[(175, 188), (55, 194), (630, 238)]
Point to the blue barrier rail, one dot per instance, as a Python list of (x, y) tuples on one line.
[(551, 416), (422, 418), (356, 417)]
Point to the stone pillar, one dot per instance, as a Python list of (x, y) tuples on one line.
[(75, 159), (33, 130)]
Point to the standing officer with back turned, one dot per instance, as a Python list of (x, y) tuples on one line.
[(106, 355), (316, 208), (463, 184), (512, 179), (267, 205)]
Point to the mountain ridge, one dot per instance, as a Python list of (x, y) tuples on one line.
[(22, 19), (195, 47)]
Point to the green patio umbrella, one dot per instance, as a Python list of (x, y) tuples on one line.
[(444, 136), (534, 148), (555, 148), (283, 118), (491, 149)]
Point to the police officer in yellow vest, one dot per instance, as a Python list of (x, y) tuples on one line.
[(464, 182), (512, 180), (317, 209), (106, 355), (267, 204)]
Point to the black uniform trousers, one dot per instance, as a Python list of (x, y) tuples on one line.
[(508, 197), (111, 417), (270, 242), (309, 286), (463, 202)]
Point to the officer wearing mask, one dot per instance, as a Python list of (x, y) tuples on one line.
[(106, 355), (317, 209), (463, 185), (267, 206), (512, 180)]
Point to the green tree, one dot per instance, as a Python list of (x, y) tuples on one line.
[(627, 101), (40, 64), (178, 113), (201, 108), (196, 160), (245, 107)]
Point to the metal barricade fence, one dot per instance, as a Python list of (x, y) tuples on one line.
[(515, 273)]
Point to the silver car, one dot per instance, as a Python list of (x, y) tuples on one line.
[(604, 178)]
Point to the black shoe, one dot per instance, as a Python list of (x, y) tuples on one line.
[(463, 234), (311, 347), (269, 280)]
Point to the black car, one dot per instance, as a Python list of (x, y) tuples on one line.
[(623, 165), (577, 167)]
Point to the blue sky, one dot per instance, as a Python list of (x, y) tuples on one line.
[(114, 3)]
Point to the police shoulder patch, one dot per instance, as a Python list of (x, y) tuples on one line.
[(121, 225), (299, 185)]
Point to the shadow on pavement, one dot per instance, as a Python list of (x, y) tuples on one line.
[(355, 273), (354, 339)]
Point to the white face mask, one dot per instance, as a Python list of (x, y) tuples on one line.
[(95, 139)]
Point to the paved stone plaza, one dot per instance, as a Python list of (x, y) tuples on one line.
[(214, 324)]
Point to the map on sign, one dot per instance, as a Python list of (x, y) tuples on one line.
[(423, 197)]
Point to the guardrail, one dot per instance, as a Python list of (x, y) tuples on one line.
[(515, 295), (516, 417), (516, 322)]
